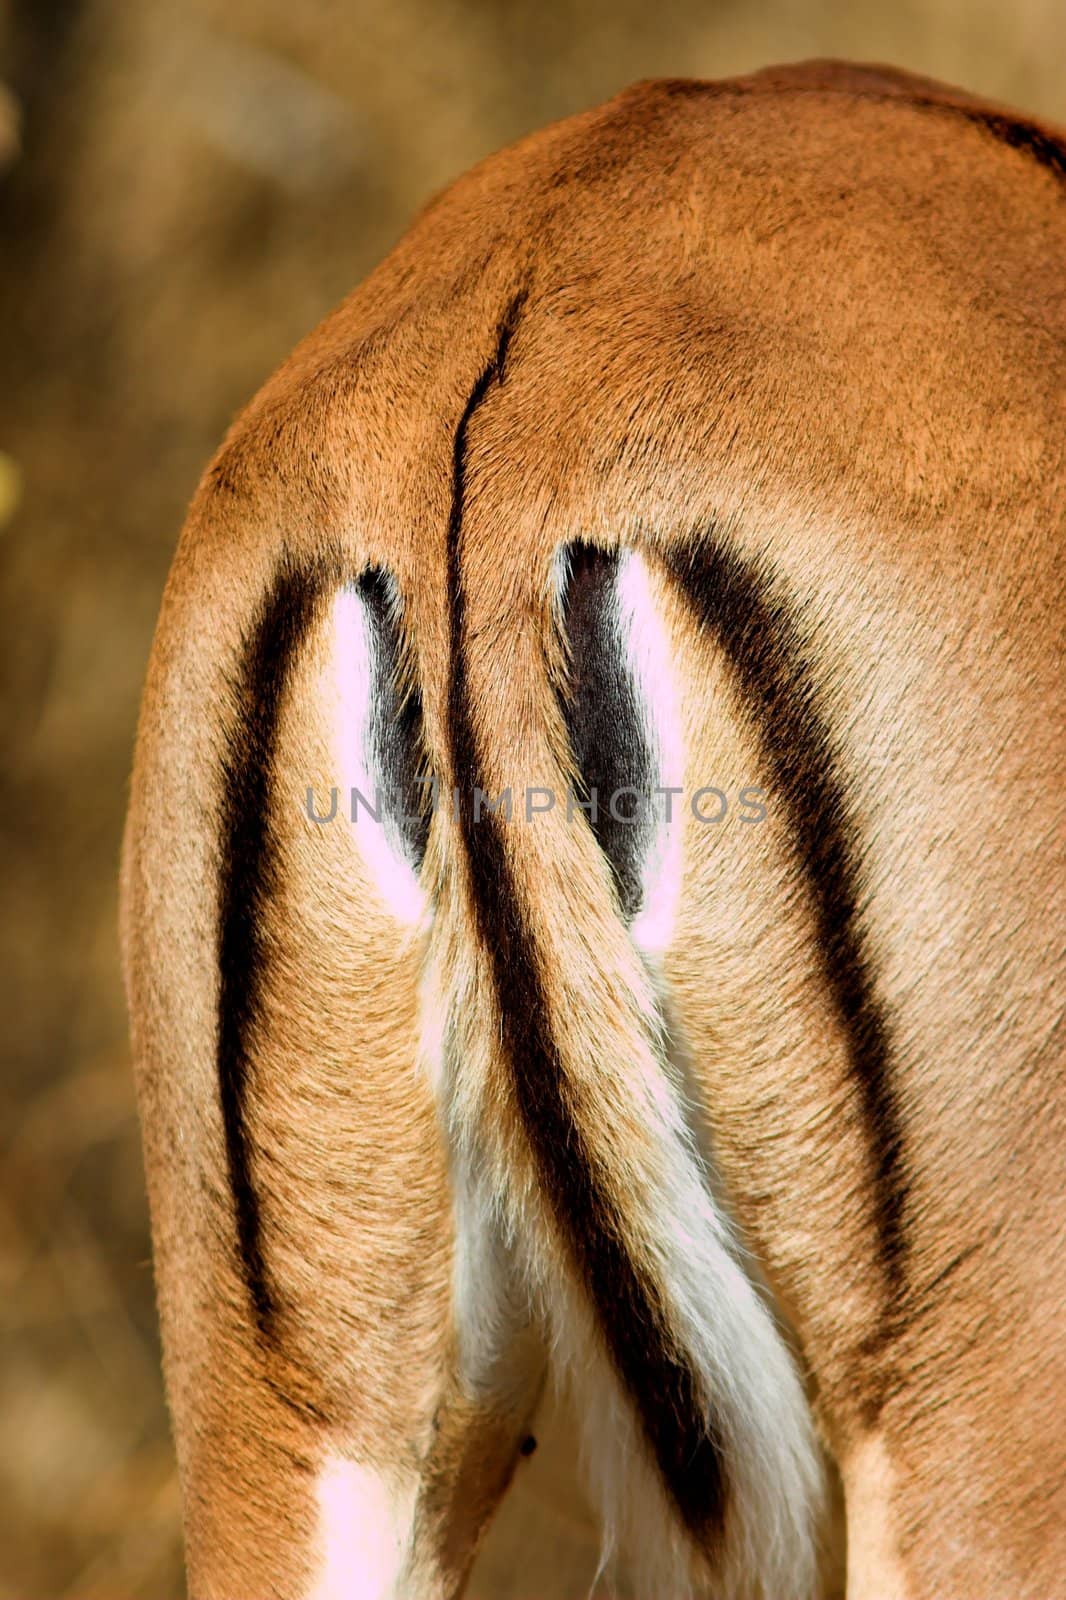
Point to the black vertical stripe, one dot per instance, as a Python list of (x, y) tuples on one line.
[(248, 879), (735, 603), (605, 721), (687, 1447), (395, 735), (249, 873)]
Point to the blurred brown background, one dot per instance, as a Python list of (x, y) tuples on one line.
[(188, 186)]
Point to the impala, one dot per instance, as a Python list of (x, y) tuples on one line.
[(711, 441)]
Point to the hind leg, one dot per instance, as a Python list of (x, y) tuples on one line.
[(334, 1441), (340, 1445), (293, 1498), (332, 1438)]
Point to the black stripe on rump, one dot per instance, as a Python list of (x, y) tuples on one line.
[(753, 628), (248, 879), (249, 874), (605, 720), (397, 753), (633, 1320)]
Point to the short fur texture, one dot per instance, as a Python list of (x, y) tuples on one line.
[(786, 1178)]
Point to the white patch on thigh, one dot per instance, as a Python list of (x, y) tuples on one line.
[(874, 1570), (646, 646), (364, 1534)]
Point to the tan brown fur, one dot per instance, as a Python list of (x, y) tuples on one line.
[(824, 310)]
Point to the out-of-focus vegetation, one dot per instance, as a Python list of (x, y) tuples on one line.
[(185, 187)]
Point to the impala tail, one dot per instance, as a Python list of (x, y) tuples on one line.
[(562, 724)]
